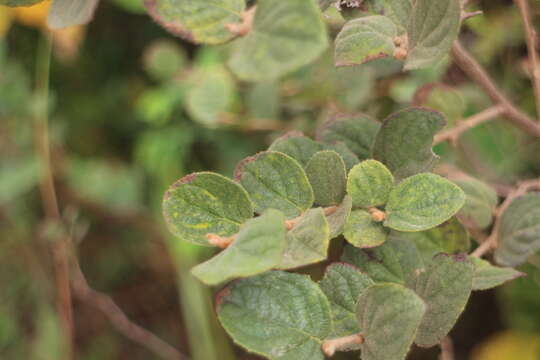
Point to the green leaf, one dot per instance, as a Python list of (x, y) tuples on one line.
[(389, 315), (519, 232), (369, 184), (275, 180), (443, 98), (286, 35), (297, 146), (445, 286), (450, 237), (308, 241), (399, 11), (328, 177), (342, 284), (164, 59), (17, 177), (258, 248), (338, 219), (365, 39), (480, 203), (395, 261), (421, 202), (361, 231), (349, 158), (278, 315), (487, 276), (433, 27), (357, 131), (211, 95), (205, 203), (64, 13), (14, 3), (197, 21), (405, 140)]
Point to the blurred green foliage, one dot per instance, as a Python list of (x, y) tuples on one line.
[(136, 109)]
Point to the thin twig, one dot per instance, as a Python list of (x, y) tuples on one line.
[(48, 192), (454, 134), (492, 241), (530, 35), (447, 349), (104, 303), (477, 73)]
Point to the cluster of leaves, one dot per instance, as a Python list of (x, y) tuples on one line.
[(273, 37), (404, 277)]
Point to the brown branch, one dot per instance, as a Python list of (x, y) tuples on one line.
[(530, 35), (104, 303), (447, 349), (48, 193), (454, 134), (330, 346), (492, 241), (477, 73)]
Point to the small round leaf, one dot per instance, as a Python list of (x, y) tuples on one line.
[(327, 175), (361, 231), (369, 184)]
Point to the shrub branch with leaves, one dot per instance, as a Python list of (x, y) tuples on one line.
[(405, 274)]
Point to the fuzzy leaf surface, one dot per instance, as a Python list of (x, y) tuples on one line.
[(365, 39), (395, 261), (328, 177), (342, 284), (197, 21), (357, 131), (405, 140), (286, 35), (258, 247), (389, 316), (445, 286), (361, 231), (433, 28), (369, 184), (480, 203), (64, 13), (279, 315), (296, 145), (422, 202), (451, 237), (338, 219), (487, 276), (276, 181), (308, 241), (203, 203), (519, 232)]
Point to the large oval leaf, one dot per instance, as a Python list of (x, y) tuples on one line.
[(278, 315), (204, 203), (388, 315), (296, 145), (342, 284), (197, 21), (307, 241), (328, 177), (258, 248), (519, 232), (365, 39), (357, 131), (432, 30), (286, 35), (421, 202), (445, 286), (276, 181), (405, 140), (369, 184)]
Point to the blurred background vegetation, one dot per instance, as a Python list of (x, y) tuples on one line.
[(132, 109)]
